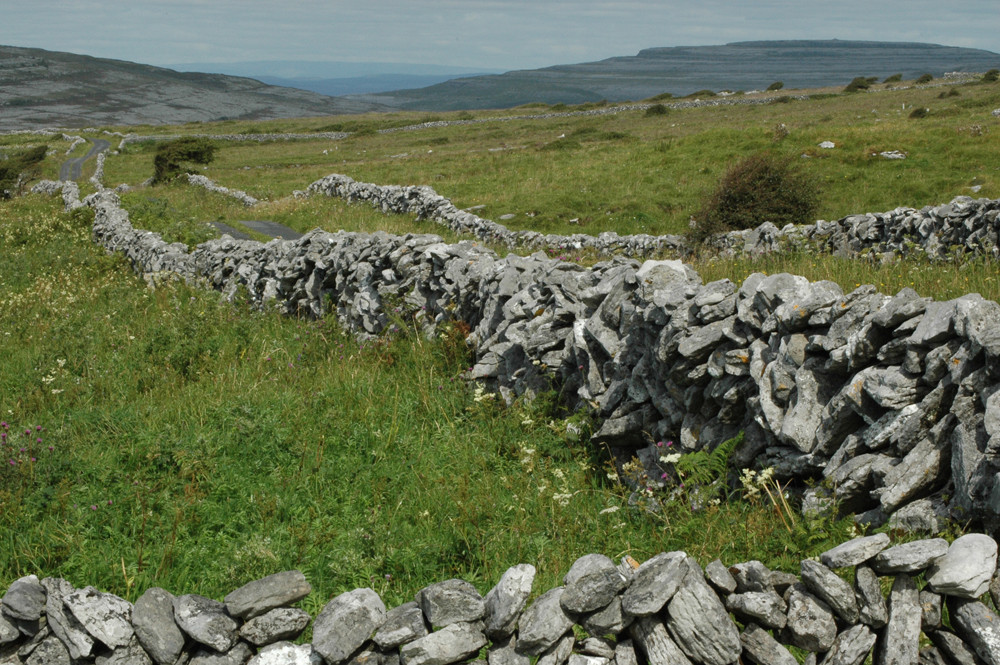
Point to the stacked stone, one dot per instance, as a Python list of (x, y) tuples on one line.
[(95, 179), (49, 622), (964, 226), (239, 195), (666, 611)]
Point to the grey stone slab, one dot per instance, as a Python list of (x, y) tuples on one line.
[(826, 584), (206, 621), (24, 599), (506, 601), (452, 644), (909, 557), (699, 622), (978, 627), (346, 623), (402, 624), (130, 654), (286, 653), (763, 607), (239, 654), (610, 620), (105, 616), (954, 649), (655, 582), (871, 603), (277, 625), (543, 623), (851, 647), (558, 653), (930, 609), (761, 647), (592, 582), (854, 552), (966, 569), (61, 621), (900, 643), (451, 601), (719, 577), (155, 628), (811, 624), (650, 636), (263, 595), (751, 576), (503, 652)]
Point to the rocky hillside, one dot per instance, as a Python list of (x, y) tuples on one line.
[(682, 70), (53, 89)]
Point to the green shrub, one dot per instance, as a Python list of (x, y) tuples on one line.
[(661, 97), (992, 76), (763, 187), (920, 112), (170, 155), (895, 78), (949, 93), (858, 83), (924, 78), (701, 93), (17, 170), (777, 85), (656, 109)]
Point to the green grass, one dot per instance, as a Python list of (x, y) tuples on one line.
[(198, 444)]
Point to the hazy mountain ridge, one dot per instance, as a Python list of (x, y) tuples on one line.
[(682, 70), (40, 88)]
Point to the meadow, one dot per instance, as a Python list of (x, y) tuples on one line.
[(164, 438)]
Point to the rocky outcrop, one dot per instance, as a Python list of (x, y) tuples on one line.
[(669, 610)]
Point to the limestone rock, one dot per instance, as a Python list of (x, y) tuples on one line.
[(591, 583), (651, 637), (719, 577), (558, 653), (105, 616), (900, 643), (239, 654), (286, 653), (763, 607), (266, 594), (978, 627), (506, 601), (279, 624), (952, 646), (851, 647), (909, 557), (155, 628), (699, 623), (837, 593), (25, 599), (854, 552), (763, 649), (402, 624), (451, 601), (811, 625), (453, 643), (345, 623), (62, 623), (130, 654), (609, 620), (49, 651), (543, 623), (654, 583), (205, 621), (871, 603), (966, 569)]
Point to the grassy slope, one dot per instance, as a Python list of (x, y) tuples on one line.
[(197, 445)]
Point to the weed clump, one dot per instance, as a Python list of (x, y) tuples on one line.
[(924, 78), (777, 85), (920, 112), (17, 170), (859, 83), (991, 76), (656, 109), (763, 187), (895, 78), (170, 156)]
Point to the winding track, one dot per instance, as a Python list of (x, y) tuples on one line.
[(72, 169)]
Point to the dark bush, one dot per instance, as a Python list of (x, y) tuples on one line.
[(895, 78), (17, 170), (777, 85), (170, 155), (920, 112), (924, 78), (992, 76), (858, 83), (656, 109), (701, 93), (763, 187)]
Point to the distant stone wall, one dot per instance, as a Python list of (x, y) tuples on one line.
[(665, 611), (964, 226), (892, 401)]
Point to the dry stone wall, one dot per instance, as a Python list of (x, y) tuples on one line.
[(892, 401), (667, 610)]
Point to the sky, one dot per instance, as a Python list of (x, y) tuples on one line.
[(489, 34)]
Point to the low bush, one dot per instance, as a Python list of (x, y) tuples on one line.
[(777, 85), (171, 155), (764, 187), (656, 109), (920, 112), (858, 83), (17, 170), (991, 76), (924, 78), (895, 78)]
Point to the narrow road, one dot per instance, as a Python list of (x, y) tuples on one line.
[(72, 169)]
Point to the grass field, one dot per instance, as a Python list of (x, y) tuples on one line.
[(165, 438)]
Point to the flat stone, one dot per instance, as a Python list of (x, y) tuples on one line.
[(900, 644), (49, 651), (851, 647), (699, 623), (62, 623), (402, 624), (130, 654), (451, 601), (763, 607), (811, 624), (25, 599), (837, 593), (871, 603), (263, 595), (543, 623), (625, 653), (451, 644), (610, 620), (751, 576), (206, 621), (587, 659), (506, 601), (286, 653), (503, 651), (558, 653), (760, 647), (651, 637), (909, 557), (719, 577), (978, 627), (954, 649), (155, 628), (277, 625), (930, 611), (105, 616), (654, 583), (854, 552), (8, 631), (597, 646), (591, 583), (239, 654), (966, 569), (345, 623)]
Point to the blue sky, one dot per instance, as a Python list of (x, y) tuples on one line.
[(493, 34)]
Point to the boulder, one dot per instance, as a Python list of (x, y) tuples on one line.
[(452, 644), (966, 569), (266, 594), (451, 601), (346, 623), (506, 601), (591, 583)]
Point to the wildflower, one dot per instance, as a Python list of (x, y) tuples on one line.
[(609, 510), (672, 458)]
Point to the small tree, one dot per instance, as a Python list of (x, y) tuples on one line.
[(777, 85), (895, 78), (992, 76), (170, 155), (858, 83), (924, 78), (763, 187), (17, 170)]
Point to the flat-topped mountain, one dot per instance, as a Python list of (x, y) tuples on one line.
[(682, 70), (41, 88)]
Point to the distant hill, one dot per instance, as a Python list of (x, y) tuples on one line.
[(41, 88), (682, 70)]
